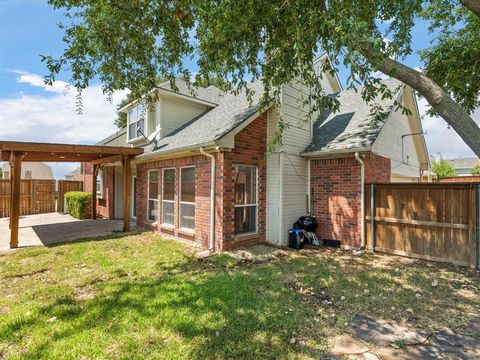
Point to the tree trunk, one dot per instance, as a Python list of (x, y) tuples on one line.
[(472, 5), (443, 104)]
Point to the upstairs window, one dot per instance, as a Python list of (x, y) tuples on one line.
[(246, 204), (187, 198), (136, 121)]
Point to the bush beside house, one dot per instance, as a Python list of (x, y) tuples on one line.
[(79, 204)]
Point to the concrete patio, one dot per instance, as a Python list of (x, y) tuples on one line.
[(51, 228)]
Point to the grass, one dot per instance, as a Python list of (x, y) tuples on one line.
[(140, 296)]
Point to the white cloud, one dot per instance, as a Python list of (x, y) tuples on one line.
[(380, 75), (53, 117), (441, 138)]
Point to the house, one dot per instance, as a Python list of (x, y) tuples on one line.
[(207, 175), (464, 166), (74, 175), (31, 170)]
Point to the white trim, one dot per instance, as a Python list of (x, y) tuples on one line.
[(172, 226), (145, 123), (256, 204), (148, 196), (180, 202)]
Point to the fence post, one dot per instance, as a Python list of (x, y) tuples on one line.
[(372, 217), (478, 226)]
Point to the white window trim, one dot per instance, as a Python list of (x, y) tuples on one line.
[(148, 197), (180, 202), (145, 123), (99, 179), (168, 201), (249, 205)]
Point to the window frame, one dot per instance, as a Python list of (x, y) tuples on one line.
[(129, 139), (180, 202), (248, 205), (99, 181), (148, 196), (168, 201)]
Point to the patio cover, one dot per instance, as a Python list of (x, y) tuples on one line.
[(16, 152)]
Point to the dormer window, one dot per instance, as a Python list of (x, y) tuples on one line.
[(136, 122)]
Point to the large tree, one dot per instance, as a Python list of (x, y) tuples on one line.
[(129, 44)]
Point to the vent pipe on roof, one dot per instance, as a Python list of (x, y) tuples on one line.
[(212, 199)]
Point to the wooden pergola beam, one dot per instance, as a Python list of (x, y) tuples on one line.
[(108, 159), (16, 167), (127, 192)]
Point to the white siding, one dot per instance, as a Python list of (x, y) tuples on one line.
[(296, 138), (389, 145), (273, 182), (175, 113)]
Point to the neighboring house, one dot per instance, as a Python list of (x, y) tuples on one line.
[(463, 166), (259, 194), (74, 175), (31, 170)]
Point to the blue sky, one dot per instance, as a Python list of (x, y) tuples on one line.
[(34, 112)]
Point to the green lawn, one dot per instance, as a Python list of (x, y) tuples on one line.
[(140, 296)]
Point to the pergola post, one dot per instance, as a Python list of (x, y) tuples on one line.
[(127, 192), (94, 190), (16, 167)]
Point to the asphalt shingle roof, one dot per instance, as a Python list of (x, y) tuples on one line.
[(351, 127), (212, 124)]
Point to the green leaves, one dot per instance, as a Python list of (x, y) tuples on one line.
[(442, 169)]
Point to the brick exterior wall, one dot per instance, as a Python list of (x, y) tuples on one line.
[(105, 205), (335, 194), (250, 149)]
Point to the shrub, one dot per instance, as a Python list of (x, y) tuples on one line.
[(79, 204), (442, 169), (475, 170)]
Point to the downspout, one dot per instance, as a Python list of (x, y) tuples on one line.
[(212, 199), (362, 197)]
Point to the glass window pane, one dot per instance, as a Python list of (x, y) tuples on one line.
[(245, 185), (132, 131), (188, 185), (140, 127), (187, 216), (152, 210), (169, 184), (167, 212), (153, 184), (245, 219)]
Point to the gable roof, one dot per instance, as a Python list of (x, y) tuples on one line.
[(350, 129), (464, 163), (212, 125)]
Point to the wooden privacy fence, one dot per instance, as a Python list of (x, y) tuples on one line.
[(434, 221), (37, 196), (65, 186)]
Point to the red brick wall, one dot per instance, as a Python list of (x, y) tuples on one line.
[(202, 196), (335, 194), (105, 205), (250, 149)]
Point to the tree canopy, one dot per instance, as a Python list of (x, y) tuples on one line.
[(129, 44), (442, 169)]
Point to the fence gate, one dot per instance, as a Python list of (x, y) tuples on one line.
[(434, 221), (65, 186)]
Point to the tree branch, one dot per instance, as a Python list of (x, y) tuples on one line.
[(440, 101), (473, 5)]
